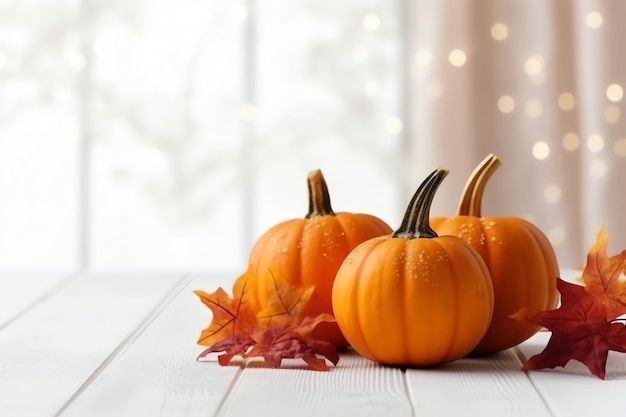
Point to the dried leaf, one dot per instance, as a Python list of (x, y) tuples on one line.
[(586, 327), (605, 277), (278, 342), (230, 315), (286, 304), (579, 331)]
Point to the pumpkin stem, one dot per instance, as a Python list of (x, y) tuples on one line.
[(415, 223), (319, 198), (472, 197)]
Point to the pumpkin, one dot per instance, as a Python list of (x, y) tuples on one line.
[(414, 298), (308, 251), (520, 259)]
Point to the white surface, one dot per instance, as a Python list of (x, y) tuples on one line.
[(115, 345)]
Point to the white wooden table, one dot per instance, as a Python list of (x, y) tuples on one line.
[(124, 345)]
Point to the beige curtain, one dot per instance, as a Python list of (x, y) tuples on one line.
[(538, 83)]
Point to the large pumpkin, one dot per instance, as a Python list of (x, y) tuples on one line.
[(308, 252), (414, 298), (520, 258)]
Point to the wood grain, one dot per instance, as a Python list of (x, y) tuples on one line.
[(356, 387), (20, 291), (54, 347), (158, 375), (490, 385), (573, 391)]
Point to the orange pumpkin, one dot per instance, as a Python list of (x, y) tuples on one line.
[(520, 258), (308, 252), (414, 298)]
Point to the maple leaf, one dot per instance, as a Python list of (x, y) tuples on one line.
[(286, 304), (278, 331), (605, 277), (580, 331), (277, 342), (230, 315)]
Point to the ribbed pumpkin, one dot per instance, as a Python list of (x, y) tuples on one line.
[(308, 251), (414, 298), (520, 258)]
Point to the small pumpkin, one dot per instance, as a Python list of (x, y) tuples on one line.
[(414, 298), (520, 258), (308, 252)]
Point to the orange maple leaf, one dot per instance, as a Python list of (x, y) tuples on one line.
[(230, 315), (286, 304), (605, 277), (241, 314)]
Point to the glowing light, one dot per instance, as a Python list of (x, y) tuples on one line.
[(506, 104), (457, 57), (571, 141), (249, 112), (594, 20), (534, 108), (393, 125), (360, 52), (499, 31), (620, 147), (552, 194), (238, 13), (76, 61), (371, 21), (612, 114), (423, 58), (541, 150), (534, 65), (598, 169), (595, 143), (567, 101), (614, 92), (372, 88)]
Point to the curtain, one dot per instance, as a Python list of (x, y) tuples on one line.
[(171, 134)]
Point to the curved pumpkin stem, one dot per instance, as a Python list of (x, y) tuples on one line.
[(472, 197), (415, 223), (319, 198)]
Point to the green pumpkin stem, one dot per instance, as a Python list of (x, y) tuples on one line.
[(415, 223), (472, 197), (319, 198)]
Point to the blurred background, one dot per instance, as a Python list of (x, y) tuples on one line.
[(169, 134)]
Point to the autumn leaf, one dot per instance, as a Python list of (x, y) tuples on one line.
[(277, 342), (286, 304), (278, 331), (230, 315), (579, 329), (605, 277), (585, 327)]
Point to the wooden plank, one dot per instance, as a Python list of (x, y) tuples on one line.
[(21, 290), (573, 391), (158, 375), (356, 387), (48, 353), (490, 385)]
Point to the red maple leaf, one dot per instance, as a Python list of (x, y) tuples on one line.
[(585, 327), (579, 331), (277, 342)]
